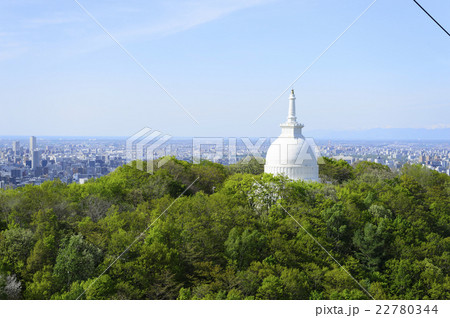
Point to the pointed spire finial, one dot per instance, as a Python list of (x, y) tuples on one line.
[(291, 114)]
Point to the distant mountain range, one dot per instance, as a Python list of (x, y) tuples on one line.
[(416, 134)]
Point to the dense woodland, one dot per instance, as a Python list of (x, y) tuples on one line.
[(231, 235)]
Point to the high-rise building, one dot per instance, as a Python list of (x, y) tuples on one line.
[(35, 159), (32, 144), (16, 147), (291, 154), (16, 173)]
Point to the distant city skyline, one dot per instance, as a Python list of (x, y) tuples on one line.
[(78, 160), (225, 62)]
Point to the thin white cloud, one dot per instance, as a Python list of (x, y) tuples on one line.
[(189, 15), (12, 53), (10, 47), (40, 22), (142, 22), (175, 17)]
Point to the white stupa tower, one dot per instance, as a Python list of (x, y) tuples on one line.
[(290, 154)]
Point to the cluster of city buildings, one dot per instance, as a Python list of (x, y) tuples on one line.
[(70, 161), (433, 155)]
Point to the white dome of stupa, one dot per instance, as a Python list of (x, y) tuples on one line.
[(291, 154)]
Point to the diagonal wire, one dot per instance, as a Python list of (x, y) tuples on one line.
[(136, 61), (314, 62), (136, 239), (326, 251), (431, 17)]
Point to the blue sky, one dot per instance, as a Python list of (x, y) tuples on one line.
[(225, 61)]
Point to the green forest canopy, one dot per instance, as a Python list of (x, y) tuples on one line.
[(228, 236)]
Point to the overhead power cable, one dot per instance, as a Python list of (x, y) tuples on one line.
[(432, 17)]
